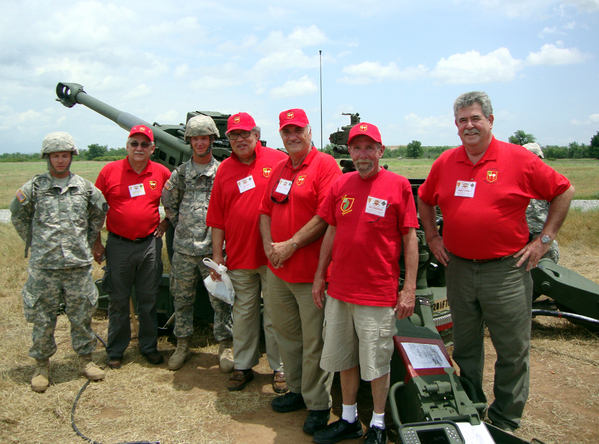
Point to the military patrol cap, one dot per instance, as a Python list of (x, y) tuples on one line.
[(201, 125), (535, 149), (294, 116), (364, 129), (142, 129), (57, 142)]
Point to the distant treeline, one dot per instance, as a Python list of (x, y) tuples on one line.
[(93, 152)]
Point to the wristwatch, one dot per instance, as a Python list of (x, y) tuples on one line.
[(545, 239)]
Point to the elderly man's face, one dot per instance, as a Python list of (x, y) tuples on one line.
[(474, 128), (365, 153), (139, 148), (297, 140), (243, 147)]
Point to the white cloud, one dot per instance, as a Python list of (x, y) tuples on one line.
[(294, 88), (369, 72), (593, 119), (535, 8), (547, 31), (472, 67), (557, 55), (423, 125)]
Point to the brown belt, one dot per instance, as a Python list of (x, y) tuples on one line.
[(139, 240)]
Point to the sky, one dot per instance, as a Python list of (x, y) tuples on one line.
[(399, 63)]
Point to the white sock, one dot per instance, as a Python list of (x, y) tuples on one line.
[(350, 413), (378, 420)]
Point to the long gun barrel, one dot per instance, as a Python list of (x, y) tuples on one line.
[(171, 148)]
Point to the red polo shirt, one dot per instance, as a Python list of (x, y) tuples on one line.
[(133, 198), (311, 182), (484, 205), (234, 209)]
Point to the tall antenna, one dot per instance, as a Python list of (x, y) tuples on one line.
[(320, 55)]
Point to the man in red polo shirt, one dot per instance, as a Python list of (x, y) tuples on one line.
[(483, 189), (233, 215), (371, 216), (291, 234), (132, 188)]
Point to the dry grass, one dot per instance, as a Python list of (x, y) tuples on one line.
[(143, 402)]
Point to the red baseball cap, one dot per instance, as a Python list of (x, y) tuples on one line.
[(142, 129), (240, 121), (294, 116), (364, 129)]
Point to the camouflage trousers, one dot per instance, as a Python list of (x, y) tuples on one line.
[(43, 295), (186, 272)]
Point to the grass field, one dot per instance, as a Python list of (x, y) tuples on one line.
[(583, 173)]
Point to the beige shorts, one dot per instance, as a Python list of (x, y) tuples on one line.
[(357, 335)]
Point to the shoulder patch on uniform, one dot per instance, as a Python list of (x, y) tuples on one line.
[(168, 185), (21, 196)]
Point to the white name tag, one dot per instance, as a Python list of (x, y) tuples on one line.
[(465, 189), (137, 190), (247, 183), (376, 206), (283, 187)]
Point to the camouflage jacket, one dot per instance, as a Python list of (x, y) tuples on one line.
[(185, 198), (60, 225)]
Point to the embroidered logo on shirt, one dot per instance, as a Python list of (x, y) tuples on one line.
[(153, 184), (300, 180), (266, 172), (492, 176), (21, 196), (346, 205), (168, 185)]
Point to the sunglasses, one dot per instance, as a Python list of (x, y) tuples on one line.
[(286, 198), (135, 144)]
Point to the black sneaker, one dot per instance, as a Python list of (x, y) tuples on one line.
[(338, 430), (316, 420), (375, 435), (289, 402), (154, 357)]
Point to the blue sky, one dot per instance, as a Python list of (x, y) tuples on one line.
[(400, 64)]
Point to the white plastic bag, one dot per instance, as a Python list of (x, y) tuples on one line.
[(222, 289)]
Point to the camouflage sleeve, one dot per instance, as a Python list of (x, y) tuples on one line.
[(171, 197), (96, 210), (22, 210)]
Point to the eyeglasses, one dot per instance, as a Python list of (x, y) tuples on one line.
[(135, 144), (235, 136)]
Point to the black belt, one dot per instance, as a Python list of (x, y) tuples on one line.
[(139, 240), (479, 261)]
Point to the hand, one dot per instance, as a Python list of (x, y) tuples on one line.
[(533, 252), (281, 251), (318, 291), (161, 228), (438, 249), (215, 275), (98, 251), (405, 303)]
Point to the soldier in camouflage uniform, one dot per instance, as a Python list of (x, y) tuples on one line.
[(185, 198), (537, 211), (59, 215)]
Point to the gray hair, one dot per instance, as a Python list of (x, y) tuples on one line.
[(256, 130), (469, 99)]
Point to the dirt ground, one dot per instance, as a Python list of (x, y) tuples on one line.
[(140, 402)]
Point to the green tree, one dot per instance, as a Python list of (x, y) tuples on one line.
[(521, 138), (594, 148), (414, 149), (95, 150)]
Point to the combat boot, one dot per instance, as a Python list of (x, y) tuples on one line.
[(181, 354), (90, 370), (225, 356), (39, 382)]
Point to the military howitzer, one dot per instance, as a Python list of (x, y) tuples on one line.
[(171, 148), (339, 138), (171, 151)]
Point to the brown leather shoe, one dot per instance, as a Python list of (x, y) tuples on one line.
[(114, 363), (279, 385), (239, 379)]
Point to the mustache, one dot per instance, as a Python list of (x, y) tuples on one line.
[(471, 131)]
